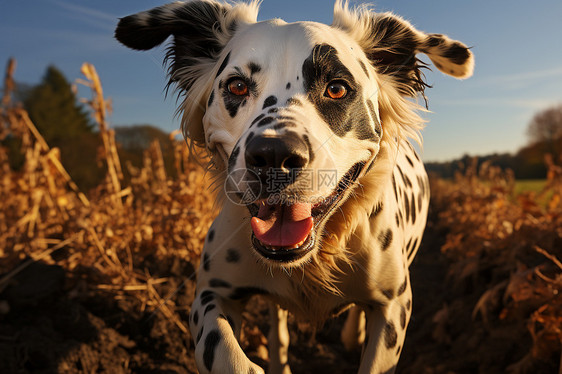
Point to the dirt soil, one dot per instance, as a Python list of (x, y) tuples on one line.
[(53, 327)]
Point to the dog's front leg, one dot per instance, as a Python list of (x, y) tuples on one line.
[(384, 339), (215, 324), (278, 339)]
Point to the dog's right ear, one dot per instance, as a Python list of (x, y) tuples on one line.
[(200, 30)]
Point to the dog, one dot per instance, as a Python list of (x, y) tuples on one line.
[(310, 128)]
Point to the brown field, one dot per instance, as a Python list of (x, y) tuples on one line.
[(103, 282)]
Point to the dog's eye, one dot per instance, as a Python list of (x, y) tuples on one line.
[(336, 90), (238, 87)]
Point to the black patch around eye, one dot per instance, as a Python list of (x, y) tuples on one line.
[(269, 101), (211, 98), (223, 64), (320, 68), (254, 68), (288, 86), (457, 53)]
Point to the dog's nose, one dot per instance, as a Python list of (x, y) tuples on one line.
[(267, 156)]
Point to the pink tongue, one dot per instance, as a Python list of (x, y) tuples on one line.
[(283, 225)]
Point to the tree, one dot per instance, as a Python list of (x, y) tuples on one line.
[(546, 127), (65, 124), (53, 108)]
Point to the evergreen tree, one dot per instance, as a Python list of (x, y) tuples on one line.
[(53, 108), (65, 124)]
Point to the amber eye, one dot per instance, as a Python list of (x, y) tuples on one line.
[(336, 90), (238, 87)]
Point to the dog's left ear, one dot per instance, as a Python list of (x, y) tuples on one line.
[(391, 43)]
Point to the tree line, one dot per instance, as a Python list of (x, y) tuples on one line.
[(64, 123), (544, 134)]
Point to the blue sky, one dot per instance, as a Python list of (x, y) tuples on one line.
[(517, 45)]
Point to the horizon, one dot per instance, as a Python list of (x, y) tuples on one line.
[(485, 114)]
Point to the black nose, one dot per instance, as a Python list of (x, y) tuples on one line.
[(276, 156)]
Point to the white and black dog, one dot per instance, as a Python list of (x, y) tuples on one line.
[(308, 124)]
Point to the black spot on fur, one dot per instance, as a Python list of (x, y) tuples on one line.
[(208, 309), (257, 119), (269, 101), (457, 53), (232, 255), (211, 342), (196, 317), (402, 317), (199, 334), (206, 262), (211, 236), (389, 294), (285, 125), (219, 283), (397, 220), (319, 69), (402, 287), (363, 67), (254, 68), (394, 187), (433, 40), (385, 238), (390, 335), (242, 293), (409, 304), (266, 121), (223, 64), (206, 297), (293, 101), (409, 161), (413, 208), (273, 110), (288, 86), (407, 206), (377, 210), (211, 98)]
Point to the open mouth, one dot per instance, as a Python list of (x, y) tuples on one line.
[(287, 231)]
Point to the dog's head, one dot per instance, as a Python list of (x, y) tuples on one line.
[(293, 114)]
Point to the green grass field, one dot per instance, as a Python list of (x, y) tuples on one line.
[(526, 185)]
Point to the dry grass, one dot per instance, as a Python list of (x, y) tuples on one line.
[(507, 251), (115, 232)]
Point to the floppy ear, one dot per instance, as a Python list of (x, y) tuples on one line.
[(391, 43), (200, 30)]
